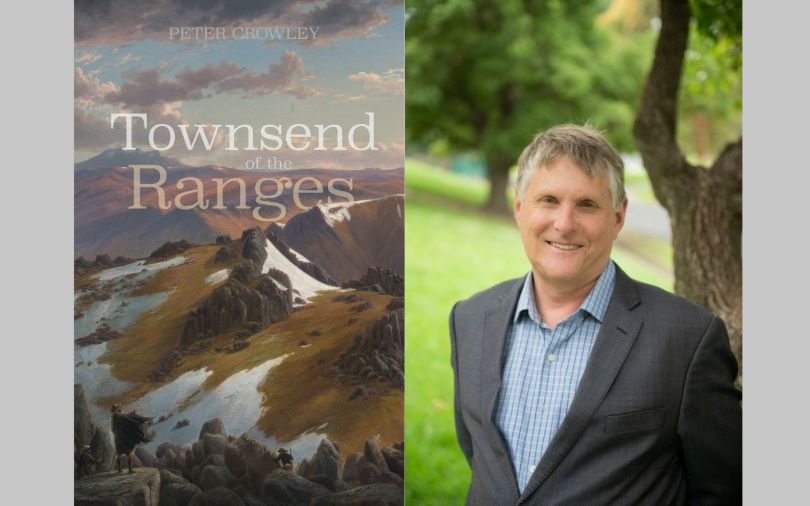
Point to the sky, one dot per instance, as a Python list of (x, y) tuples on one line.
[(129, 58)]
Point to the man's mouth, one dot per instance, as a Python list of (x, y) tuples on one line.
[(563, 246)]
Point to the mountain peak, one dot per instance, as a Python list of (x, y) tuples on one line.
[(118, 157)]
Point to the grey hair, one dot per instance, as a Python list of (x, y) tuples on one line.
[(583, 145)]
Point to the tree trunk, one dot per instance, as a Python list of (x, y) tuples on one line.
[(707, 231), (498, 175), (704, 205)]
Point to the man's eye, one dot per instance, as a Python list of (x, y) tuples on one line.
[(588, 204), (548, 200)]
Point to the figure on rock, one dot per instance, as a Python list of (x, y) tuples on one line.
[(285, 459), (129, 429), (86, 462)]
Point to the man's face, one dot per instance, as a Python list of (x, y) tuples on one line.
[(567, 224)]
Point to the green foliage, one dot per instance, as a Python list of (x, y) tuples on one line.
[(489, 75), (720, 20), (710, 101)]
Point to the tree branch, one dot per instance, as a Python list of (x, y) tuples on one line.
[(728, 166), (655, 128)]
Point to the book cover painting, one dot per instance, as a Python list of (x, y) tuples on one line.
[(238, 261)]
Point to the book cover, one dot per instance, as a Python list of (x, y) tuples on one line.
[(238, 252)]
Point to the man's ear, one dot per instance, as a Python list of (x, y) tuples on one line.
[(517, 205), (621, 213)]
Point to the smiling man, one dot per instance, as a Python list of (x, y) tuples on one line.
[(577, 384)]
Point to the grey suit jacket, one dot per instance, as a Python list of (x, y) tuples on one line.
[(655, 420)]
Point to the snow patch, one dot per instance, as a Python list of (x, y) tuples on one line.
[(336, 213), (306, 285), (171, 396), (140, 267), (279, 285), (236, 401), (218, 276), (299, 256)]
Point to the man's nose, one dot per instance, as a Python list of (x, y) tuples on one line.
[(565, 219)]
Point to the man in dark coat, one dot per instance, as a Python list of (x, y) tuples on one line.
[(576, 384), (129, 430)]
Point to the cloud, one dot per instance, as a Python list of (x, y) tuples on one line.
[(90, 133), (129, 57), (147, 87), (344, 18), (117, 21), (280, 77), (343, 98), (391, 81), (88, 89), (87, 57)]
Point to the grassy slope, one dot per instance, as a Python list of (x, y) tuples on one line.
[(155, 333), (297, 387), (300, 395), (451, 252)]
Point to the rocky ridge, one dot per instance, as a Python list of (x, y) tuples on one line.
[(226, 470), (86, 432), (82, 266), (377, 354), (379, 279), (273, 233), (170, 248)]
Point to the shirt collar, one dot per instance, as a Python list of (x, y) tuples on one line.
[(595, 303)]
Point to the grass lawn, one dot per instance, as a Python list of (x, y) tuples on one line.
[(451, 252)]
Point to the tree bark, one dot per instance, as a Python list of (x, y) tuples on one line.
[(498, 175), (704, 204)]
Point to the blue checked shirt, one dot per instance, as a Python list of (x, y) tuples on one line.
[(542, 370)]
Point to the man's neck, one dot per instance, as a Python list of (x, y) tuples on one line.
[(555, 304)]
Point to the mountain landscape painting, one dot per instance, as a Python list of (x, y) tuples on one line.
[(238, 252)]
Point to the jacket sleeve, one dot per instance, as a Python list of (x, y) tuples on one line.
[(462, 434), (710, 422)]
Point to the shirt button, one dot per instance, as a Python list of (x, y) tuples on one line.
[(532, 468), (552, 357)]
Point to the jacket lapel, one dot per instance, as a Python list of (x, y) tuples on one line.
[(614, 341), (496, 324)]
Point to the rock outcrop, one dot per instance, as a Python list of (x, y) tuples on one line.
[(254, 245), (378, 494), (87, 432), (324, 466), (376, 354), (225, 254), (219, 469), (243, 301), (170, 248), (102, 334), (233, 305), (141, 488), (379, 279), (245, 304), (306, 266), (245, 271), (82, 266)]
